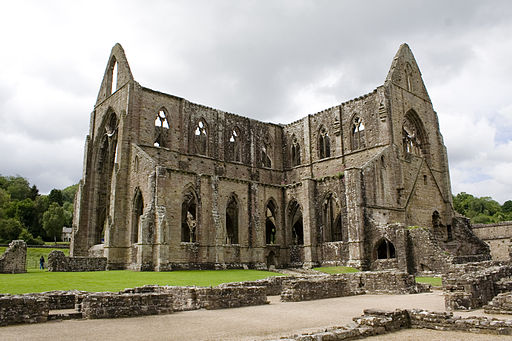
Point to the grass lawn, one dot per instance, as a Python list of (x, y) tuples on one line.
[(34, 253), (336, 269), (434, 281), (39, 281)]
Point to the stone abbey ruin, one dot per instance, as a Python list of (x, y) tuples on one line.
[(169, 184)]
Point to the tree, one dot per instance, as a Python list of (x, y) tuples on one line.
[(18, 187), (69, 192), (56, 196), (54, 220), (10, 229), (507, 206)]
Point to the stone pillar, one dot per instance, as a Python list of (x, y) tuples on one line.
[(355, 216), (161, 241), (309, 223)]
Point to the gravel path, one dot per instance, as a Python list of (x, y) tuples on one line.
[(249, 323)]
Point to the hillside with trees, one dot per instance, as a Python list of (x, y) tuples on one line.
[(26, 214), (482, 210)]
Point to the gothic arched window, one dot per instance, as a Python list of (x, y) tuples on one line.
[(295, 152), (324, 143), (232, 221), (201, 138), (161, 129), (358, 133), (235, 146)]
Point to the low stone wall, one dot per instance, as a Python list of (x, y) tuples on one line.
[(473, 285), (273, 285), (501, 304), (370, 282), (375, 322), (498, 236), (58, 262), (114, 305), (220, 297), (62, 299), (23, 309), (14, 259)]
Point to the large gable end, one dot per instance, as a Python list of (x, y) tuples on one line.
[(406, 74), (117, 73)]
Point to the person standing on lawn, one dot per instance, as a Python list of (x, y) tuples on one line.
[(41, 262)]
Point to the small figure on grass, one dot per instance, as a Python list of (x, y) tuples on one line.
[(41, 263)]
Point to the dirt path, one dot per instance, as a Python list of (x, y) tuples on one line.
[(250, 323)]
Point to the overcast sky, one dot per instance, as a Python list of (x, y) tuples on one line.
[(270, 60)]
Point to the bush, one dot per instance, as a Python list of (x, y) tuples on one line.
[(29, 238)]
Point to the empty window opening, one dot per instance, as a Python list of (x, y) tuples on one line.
[(189, 219), (201, 138), (232, 222), (295, 152), (296, 224), (235, 146), (424, 179), (265, 158), (413, 140), (358, 134), (385, 249), (332, 220), (138, 209), (161, 129), (270, 224), (324, 143), (449, 233), (408, 77)]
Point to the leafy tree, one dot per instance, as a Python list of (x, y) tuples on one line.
[(53, 220), (69, 192), (56, 196), (68, 208), (34, 192), (10, 229), (18, 187), (507, 206), (29, 238), (26, 213)]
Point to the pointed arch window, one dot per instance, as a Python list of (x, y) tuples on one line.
[(235, 146), (324, 143), (112, 77), (270, 223), (332, 220), (412, 135), (295, 152), (189, 218), (161, 129), (201, 137), (296, 223), (232, 221), (138, 209), (358, 133), (408, 77), (265, 157)]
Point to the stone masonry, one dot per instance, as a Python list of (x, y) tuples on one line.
[(58, 262), (170, 184), (14, 259)]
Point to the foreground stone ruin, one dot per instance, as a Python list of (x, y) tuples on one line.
[(14, 258), (154, 300), (375, 322), (58, 262)]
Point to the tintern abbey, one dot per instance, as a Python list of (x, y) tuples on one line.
[(169, 184)]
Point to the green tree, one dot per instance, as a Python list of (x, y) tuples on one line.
[(69, 192), (10, 229), (18, 187), (56, 196), (53, 221), (29, 238), (507, 206)]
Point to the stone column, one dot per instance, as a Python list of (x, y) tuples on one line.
[(309, 223), (355, 216)]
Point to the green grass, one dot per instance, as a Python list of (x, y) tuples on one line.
[(434, 281), (336, 269), (39, 281), (34, 253)]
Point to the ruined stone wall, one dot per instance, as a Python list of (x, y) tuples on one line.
[(498, 236), (367, 282), (113, 305), (472, 285), (14, 259), (58, 262), (23, 309)]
